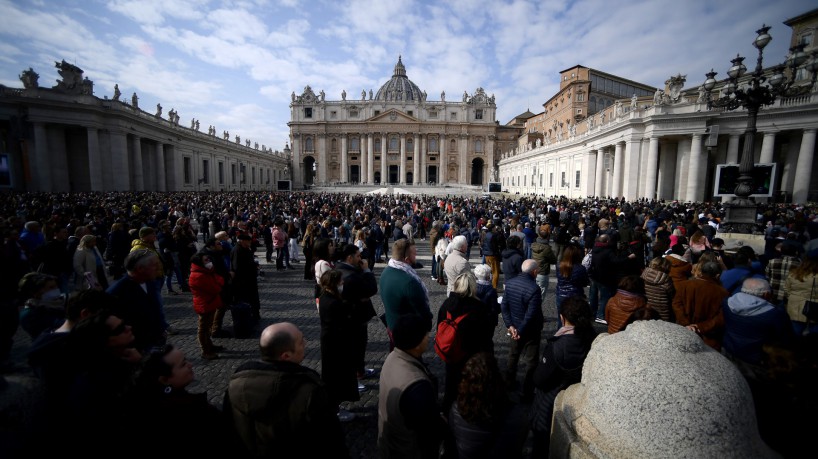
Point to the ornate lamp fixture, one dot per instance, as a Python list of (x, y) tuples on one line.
[(757, 91)]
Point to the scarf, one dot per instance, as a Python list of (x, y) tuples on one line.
[(410, 271), (565, 330)]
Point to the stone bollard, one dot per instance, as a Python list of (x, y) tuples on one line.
[(656, 390)]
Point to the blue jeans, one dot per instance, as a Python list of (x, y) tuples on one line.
[(434, 265), (600, 294)]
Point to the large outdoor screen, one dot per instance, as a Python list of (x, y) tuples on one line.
[(727, 178), (284, 185), (495, 187)]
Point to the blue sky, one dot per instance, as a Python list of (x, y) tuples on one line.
[(233, 64)]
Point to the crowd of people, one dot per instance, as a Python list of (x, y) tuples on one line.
[(85, 274)]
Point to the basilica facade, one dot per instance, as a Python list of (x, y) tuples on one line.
[(393, 136)]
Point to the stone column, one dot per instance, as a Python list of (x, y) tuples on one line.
[(344, 157), (423, 153), (323, 158), (161, 176), (616, 190), (444, 155), (40, 176), (362, 142), (120, 170), (695, 174), (803, 171), (94, 160), (600, 172), (732, 149), (767, 148), (667, 172), (402, 171), (489, 160), (383, 160), (588, 173), (170, 168), (788, 174), (463, 156), (297, 174), (682, 168), (630, 187), (417, 155), (138, 171), (651, 168), (370, 154)]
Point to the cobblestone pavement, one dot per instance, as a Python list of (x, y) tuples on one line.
[(287, 296)]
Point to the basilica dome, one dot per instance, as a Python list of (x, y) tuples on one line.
[(400, 87)]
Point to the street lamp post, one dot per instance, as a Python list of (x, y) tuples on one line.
[(759, 90)]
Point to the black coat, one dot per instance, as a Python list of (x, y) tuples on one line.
[(245, 283), (338, 337)]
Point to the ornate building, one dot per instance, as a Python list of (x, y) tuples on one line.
[(393, 136), (66, 139), (666, 146)]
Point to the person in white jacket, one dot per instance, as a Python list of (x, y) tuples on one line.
[(88, 265)]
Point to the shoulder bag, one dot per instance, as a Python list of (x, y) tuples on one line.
[(811, 307)]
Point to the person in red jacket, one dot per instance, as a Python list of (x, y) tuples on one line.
[(206, 285)]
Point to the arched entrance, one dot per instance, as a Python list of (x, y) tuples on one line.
[(378, 177), (477, 171), (410, 178), (309, 171), (431, 175)]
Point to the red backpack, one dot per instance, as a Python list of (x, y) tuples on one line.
[(447, 340)]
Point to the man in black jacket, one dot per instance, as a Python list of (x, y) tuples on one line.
[(607, 268), (359, 286), (522, 314), (244, 271)]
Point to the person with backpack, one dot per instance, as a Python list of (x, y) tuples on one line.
[(465, 326)]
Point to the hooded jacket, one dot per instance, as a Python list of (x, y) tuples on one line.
[(751, 322), (659, 291), (541, 252)]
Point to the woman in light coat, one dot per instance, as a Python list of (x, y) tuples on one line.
[(88, 265), (801, 286)]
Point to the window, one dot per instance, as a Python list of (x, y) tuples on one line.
[(540, 179), (221, 173), (377, 112), (307, 112), (353, 113), (581, 97), (410, 113), (576, 179), (478, 114), (354, 144), (432, 114), (308, 144), (205, 171), (478, 146), (253, 175), (243, 173), (268, 175), (453, 145), (410, 144), (333, 114), (432, 158), (453, 116), (433, 144), (378, 144), (562, 179), (393, 143), (579, 111), (551, 179), (187, 170), (334, 145), (805, 40), (233, 174), (408, 158)]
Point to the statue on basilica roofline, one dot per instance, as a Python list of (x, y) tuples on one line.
[(117, 94), (344, 94), (363, 94), (370, 94), (443, 96), (322, 95), (135, 101), (30, 79), (197, 124), (465, 96), (158, 110)]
